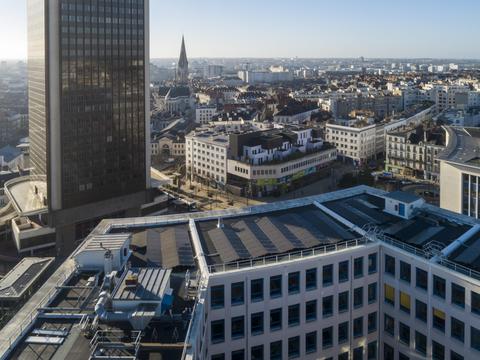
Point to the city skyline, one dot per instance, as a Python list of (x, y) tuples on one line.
[(283, 29)]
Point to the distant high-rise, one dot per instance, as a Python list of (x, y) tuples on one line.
[(89, 107), (182, 68)]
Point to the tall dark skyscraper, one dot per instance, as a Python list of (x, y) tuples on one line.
[(89, 107)]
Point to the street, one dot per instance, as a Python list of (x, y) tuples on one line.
[(208, 198)]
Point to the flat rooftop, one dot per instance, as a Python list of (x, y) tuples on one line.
[(151, 284), (167, 247), (463, 146), (25, 195), (110, 242), (271, 233), (224, 237), (272, 230), (61, 337), (468, 254), (22, 276), (426, 226)]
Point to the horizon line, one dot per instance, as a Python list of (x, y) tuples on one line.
[(292, 57)]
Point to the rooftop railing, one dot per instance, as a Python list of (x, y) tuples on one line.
[(31, 317), (404, 246), (459, 268), (294, 255), (429, 255)]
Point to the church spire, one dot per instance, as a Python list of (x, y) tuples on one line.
[(182, 68)]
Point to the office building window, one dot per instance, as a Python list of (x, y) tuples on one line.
[(389, 325), (217, 331), (311, 342), (358, 267), (327, 272), (372, 351), (421, 279), (372, 322), (388, 352), (389, 295), (457, 328), (358, 297), (455, 356), (294, 347), (420, 343), (311, 279), (343, 271), (238, 354), (237, 293), (256, 326), (458, 295), (405, 302), (343, 332), (421, 310), (372, 293), (275, 319), (405, 271), (276, 350), (438, 319), (256, 290), (402, 356), (327, 337), (404, 333), (358, 327), (256, 352), (343, 356), (327, 306), (475, 297), (238, 327), (343, 301), (372, 263), (439, 286), (276, 286), (294, 315), (311, 310), (474, 338), (218, 357), (438, 351), (217, 297), (390, 265), (294, 282), (358, 353)]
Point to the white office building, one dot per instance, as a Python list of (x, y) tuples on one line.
[(460, 171), (206, 154), (357, 274), (205, 113)]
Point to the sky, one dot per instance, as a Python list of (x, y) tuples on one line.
[(293, 28)]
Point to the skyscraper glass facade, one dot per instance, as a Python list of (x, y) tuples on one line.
[(102, 106), (37, 82)]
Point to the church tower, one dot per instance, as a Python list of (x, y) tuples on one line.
[(182, 68)]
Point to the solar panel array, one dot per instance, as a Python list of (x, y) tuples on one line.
[(184, 247), (273, 233), (424, 228), (468, 254), (421, 231), (170, 247), (362, 210)]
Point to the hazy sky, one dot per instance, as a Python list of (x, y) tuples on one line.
[(288, 28)]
